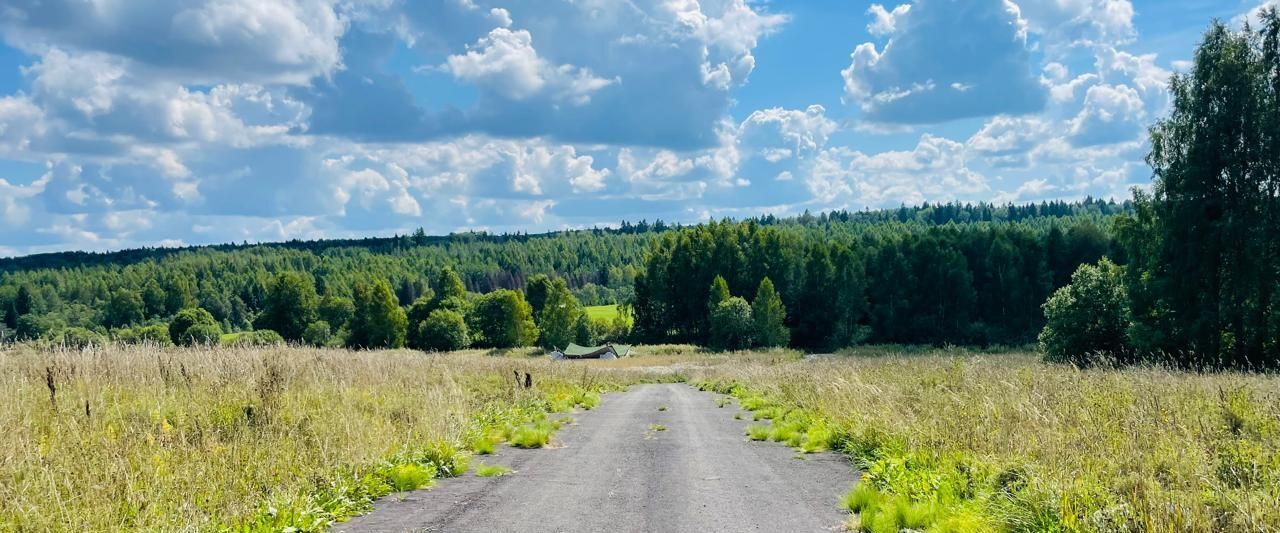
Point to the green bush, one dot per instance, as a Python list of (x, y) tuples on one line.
[(180, 328), (1087, 320), (77, 338), (317, 334), (202, 335), (258, 337), (559, 316), (443, 331), (155, 335), (731, 325)]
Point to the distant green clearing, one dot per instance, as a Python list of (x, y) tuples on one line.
[(603, 313)]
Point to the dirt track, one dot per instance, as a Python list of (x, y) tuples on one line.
[(611, 472)]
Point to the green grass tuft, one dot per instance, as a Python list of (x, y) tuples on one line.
[(863, 496), (484, 470), (482, 445), (758, 432), (657, 427), (532, 435), (448, 460), (410, 476), (662, 408)]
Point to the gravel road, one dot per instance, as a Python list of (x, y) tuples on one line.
[(611, 471)]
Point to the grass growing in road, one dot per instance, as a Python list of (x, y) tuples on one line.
[(484, 470), (662, 408), (758, 432), (252, 438), (657, 427), (951, 440), (533, 435)]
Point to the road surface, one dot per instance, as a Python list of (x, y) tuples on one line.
[(611, 471)]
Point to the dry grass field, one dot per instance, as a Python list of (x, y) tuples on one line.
[(268, 438), (960, 441), (252, 439)]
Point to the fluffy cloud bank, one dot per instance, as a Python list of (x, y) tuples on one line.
[(135, 123), (944, 60)]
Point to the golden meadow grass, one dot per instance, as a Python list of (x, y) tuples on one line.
[(952, 440), (965, 441), (147, 439)]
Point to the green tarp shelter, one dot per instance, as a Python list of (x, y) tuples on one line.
[(608, 351)]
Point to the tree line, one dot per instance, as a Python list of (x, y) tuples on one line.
[(1201, 287), (884, 282), (124, 292)]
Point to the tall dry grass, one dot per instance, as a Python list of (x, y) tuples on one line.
[(150, 439), (1043, 447)]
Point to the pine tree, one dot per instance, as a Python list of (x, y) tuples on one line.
[(450, 285), (769, 316), (719, 292)]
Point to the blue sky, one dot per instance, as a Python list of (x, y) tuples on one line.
[(171, 122)]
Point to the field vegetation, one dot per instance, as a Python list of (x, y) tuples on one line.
[(137, 438), (947, 439), (956, 440)]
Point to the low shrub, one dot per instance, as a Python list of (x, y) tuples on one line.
[(76, 338), (258, 337)]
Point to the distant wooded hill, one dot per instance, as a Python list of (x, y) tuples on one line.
[(76, 289)]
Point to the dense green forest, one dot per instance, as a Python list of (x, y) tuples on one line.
[(887, 282), (45, 295)]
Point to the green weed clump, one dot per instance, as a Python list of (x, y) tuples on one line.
[(483, 444), (758, 432), (657, 427), (446, 459), (410, 476), (565, 399), (484, 470), (533, 434)]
